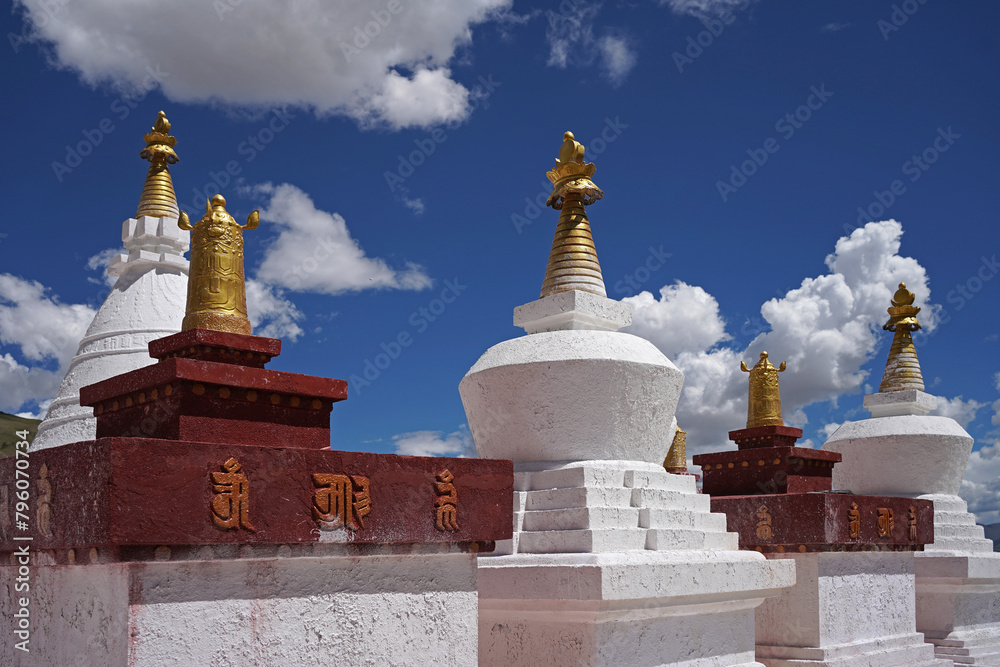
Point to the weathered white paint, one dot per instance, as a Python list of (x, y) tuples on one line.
[(845, 609), (350, 609), (146, 302), (573, 310)]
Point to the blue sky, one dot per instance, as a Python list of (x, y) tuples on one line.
[(739, 144)]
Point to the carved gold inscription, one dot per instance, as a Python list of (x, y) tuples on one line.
[(341, 501), (43, 515), (764, 520), (885, 522), (231, 504), (446, 503), (854, 521), (913, 522)]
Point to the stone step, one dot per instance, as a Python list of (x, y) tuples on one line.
[(664, 499), (652, 517), (579, 497), (581, 518), (679, 539), (953, 518), (582, 541), (660, 480), (960, 544), (958, 530)]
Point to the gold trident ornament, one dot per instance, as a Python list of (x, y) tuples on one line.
[(764, 408), (217, 297)]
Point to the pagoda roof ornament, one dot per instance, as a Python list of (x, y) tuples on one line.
[(573, 263), (158, 199), (216, 298), (764, 404), (902, 368)]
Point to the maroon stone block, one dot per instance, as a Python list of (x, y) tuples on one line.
[(127, 492), (804, 522), (219, 346), (190, 399), (767, 470), (765, 436)]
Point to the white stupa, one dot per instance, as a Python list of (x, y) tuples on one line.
[(614, 560), (146, 302), (903, 451)]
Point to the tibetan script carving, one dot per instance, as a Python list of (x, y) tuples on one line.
[(885, 522), (43, 515), (231, 504), (854, 521), (913, 522), (341, 501), (764, 523), (446, 503)]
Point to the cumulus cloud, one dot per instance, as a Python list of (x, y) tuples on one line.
[(572, 41), (826, 329), (706, 7), (436, 443), (270, 313), (981, 486), (335, 57), (958, 409), (314, 250), (99, 263), (45, 330)]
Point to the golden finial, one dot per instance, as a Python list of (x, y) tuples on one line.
[(158, 199), (764, 407), (216, 289), (573, 261), (676, 461), (902, 368)]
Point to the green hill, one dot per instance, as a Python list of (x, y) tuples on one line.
[(9, 425)]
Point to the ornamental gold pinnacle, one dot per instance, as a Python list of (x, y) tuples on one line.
[(764, 405), (902, 368), (573, 261), (158, 199), (676, 461), (216, 296)]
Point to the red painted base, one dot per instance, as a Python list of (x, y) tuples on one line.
[(767, 470)]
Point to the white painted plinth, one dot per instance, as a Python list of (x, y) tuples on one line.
[(619, 562), (317, 605), (846, 609), (572, 395), (958, 576)]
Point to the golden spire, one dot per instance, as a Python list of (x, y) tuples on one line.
[(764, 406), (158, 199), (573, 259), (676, 461), (217, 297), (902, 368)]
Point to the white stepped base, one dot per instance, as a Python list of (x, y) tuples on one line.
[(969, 647), (955, 528), (909, 650), (690, 608), (850, 609), (610, 506)]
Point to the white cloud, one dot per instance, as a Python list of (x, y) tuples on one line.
[(981, 486), (436, 443), (572, 41), (38, 323), (826, 329), (314, 250), (685, 319), (335, 57), (958, 409), (267, 305), (706, 7), (23, 385), (415, 205), (99, 263)]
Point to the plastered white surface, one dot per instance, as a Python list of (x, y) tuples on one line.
[(572, 395)]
